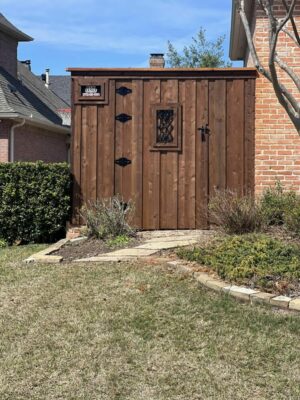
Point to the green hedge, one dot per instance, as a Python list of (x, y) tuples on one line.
[(34, 201)]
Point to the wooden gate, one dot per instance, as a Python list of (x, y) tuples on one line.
[(164, 138)]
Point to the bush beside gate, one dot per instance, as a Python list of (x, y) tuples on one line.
[(34, 201)]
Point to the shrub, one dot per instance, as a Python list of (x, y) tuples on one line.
[(234, 214), (255, 258), (292, 217), (34, 201), (2, 243), (108, 218), (274, 202)]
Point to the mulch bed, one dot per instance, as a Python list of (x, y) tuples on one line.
[(91, 248)]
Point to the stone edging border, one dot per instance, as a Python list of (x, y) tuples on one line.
[(239, 292), (206, 280), (45, 256)]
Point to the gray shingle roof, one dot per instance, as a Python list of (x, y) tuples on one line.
[(61, 85), (27, 97), (11, 30)]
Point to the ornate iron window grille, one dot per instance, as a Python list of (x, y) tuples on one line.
[(164, 120)]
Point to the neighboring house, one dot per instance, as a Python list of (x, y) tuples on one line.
[(34, 121), (277, 143)]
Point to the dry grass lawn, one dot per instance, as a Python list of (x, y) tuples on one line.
[(136, 333)]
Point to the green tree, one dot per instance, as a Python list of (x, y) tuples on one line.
[(201, 53)]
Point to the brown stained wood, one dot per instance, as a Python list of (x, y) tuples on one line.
[(202, 162), (170, 188), (91, 145), (235, 135), (187, 161), (182, 158), (75, 162), (126, 136), (217, 140), (169, 168), (106, 146), (249, 167), (137, 152), (119, 139), (151, 160), (84, 156)]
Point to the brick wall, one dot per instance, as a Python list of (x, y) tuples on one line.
[(277, 141), (8, 54), (4, 140), (32, 144)]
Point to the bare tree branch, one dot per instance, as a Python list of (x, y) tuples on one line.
[(291, 35), (295, 29), (284, 96)]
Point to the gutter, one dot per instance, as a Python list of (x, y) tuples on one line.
[(12, 139), (35, 122)]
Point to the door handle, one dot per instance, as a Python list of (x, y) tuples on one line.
[(204, 131)]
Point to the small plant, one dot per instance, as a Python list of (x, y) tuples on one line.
[(109, 218), (235, 214), (292, 218), (119, 241), (2, 243), (275, 202), (254, 259)]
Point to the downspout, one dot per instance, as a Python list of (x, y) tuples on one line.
[(12, 139)]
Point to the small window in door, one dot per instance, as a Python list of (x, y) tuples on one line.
[(166, 120)]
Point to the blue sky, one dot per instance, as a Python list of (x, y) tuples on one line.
[(110, 33)]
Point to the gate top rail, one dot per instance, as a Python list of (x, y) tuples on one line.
[(146, 73)]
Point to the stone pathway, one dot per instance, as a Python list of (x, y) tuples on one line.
[(155, 241)]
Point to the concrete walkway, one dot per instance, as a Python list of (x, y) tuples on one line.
[(154, 241)]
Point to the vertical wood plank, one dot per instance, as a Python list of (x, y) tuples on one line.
[(249, 167), (151, 160), (84, 155), (137, 151), (202, 152), (91, 146), (217, 141), (76, 164), (106, 146), (187, 161), (169, 168), (235, 135)]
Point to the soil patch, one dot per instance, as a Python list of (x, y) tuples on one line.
[(92, 248)]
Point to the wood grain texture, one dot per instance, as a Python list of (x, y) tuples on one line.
[(235, 135), (202, 157), (151, 160), (169, 168), (170, 189)]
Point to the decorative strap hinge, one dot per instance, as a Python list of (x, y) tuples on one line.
[(123, 90), (123, 161), (123, 117)]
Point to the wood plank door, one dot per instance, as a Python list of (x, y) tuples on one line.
[(175, 173)]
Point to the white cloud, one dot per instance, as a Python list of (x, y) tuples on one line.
[(123, 26)]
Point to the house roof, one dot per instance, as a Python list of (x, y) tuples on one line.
[(61, 86), (8, 28), (28, 98), (238, 40)]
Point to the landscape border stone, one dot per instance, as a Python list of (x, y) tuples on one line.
[(238, 292)]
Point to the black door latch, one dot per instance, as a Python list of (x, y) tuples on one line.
[(205, 131)]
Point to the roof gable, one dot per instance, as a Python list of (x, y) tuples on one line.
[(8, 28)]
